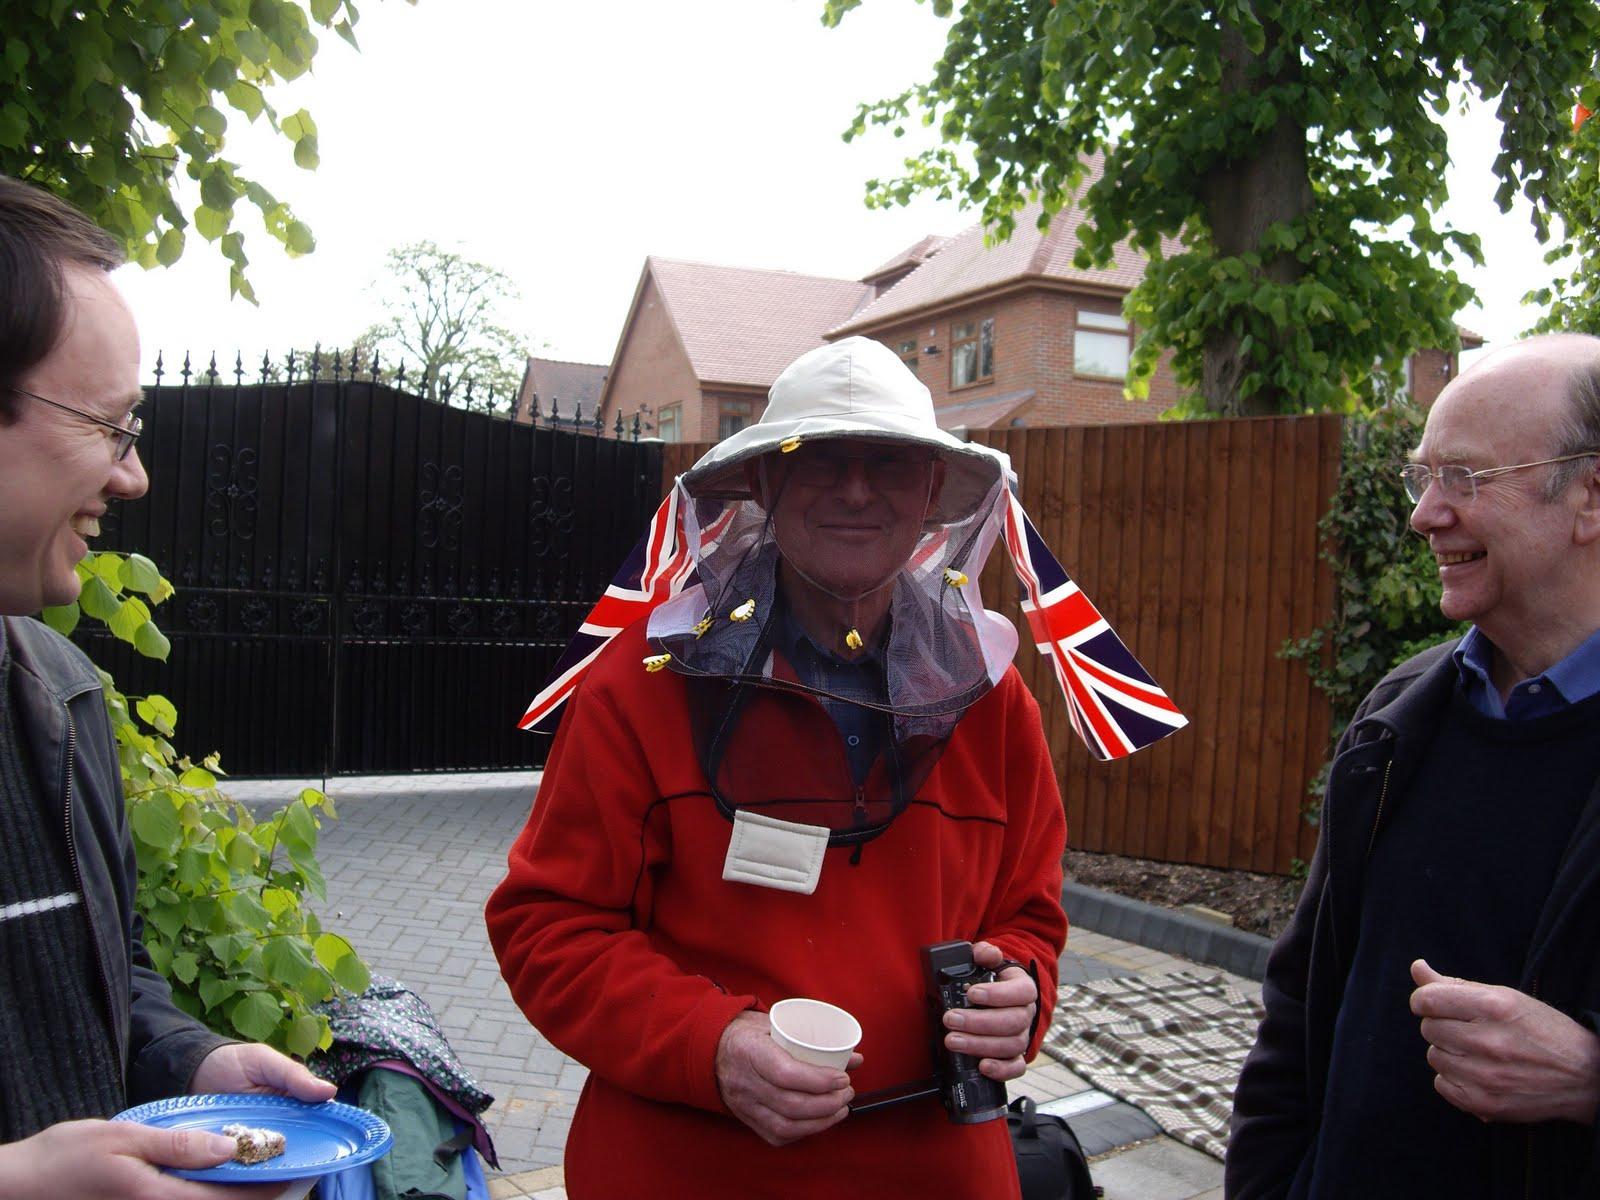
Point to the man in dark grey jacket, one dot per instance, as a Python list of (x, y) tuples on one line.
[(1432, 1007), (86, 1026)]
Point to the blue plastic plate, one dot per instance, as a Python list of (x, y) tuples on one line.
[(319, 1139)]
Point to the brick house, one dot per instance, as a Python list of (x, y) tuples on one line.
[(1003, 335)]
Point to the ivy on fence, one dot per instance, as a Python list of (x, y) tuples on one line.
[(1386, 606), (222, 893)]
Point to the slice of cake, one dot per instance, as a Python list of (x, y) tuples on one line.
[(254, 1145)]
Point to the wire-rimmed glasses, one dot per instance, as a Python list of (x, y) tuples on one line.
[(1460, 484), (127, 434)]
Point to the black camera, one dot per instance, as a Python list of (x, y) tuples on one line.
[(969, 1097)]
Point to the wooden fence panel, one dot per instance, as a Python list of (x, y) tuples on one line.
[(1198, 542)]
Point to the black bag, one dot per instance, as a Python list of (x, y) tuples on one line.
[(1050, 1161)]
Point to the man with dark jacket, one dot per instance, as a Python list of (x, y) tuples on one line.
[(1431, 1009), (86, 1026)]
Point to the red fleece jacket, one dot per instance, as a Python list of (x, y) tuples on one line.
[(623, 944)]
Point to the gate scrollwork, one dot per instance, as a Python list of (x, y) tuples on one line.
[(439, 506)]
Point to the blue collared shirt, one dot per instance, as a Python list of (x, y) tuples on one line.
[(1576, 677), (861, 728)]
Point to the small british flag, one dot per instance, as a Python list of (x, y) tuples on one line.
[(1112, 702), (657, 570)]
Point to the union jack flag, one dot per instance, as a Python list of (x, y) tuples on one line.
[(1112, 702), (657, 570)]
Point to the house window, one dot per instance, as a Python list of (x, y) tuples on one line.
[(1101, 345), (667, 424), (735, 415), (971, 352), (908, 354)]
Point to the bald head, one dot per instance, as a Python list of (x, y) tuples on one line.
[(1556, 364)]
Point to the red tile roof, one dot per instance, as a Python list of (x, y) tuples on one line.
[(744, 326), (918, 252), (569, 383), (964, 265)]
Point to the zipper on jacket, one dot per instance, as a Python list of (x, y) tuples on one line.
[(860, 823), (1377, 817), (77, 871)]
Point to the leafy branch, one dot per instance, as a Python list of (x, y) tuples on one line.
[(226, 920)]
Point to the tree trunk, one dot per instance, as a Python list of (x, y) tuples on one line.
[(1243, 198)]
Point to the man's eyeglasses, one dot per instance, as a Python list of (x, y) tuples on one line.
[(126, 435), (887, 469), (1460, 484)]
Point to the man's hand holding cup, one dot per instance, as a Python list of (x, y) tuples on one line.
[(780, 1097)]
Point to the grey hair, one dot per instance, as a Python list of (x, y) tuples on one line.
[(1579, 430)]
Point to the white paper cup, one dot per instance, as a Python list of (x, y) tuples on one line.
[(815, 1032)]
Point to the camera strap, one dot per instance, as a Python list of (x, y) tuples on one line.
[(884, 1097)]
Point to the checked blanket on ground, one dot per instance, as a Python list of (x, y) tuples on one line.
[(1171, 1045)]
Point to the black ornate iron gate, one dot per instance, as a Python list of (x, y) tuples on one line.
[(367, 581)]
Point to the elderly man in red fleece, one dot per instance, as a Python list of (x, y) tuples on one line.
[(786, 781)]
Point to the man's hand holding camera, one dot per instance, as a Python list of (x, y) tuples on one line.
[(995, 1029)]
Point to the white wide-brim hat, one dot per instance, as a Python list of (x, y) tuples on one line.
[(853, 388)]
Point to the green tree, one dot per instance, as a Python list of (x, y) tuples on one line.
[(106, 102), (443, 323), (1280, 162), (1573, 300)]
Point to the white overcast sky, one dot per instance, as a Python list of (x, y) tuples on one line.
[(564, 142)]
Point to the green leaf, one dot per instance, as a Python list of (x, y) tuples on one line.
[(210, 120), (305, 1034), (185, 966), (299, 125), (286, 962), (63, 618), (129, 615), (168, 918), (351, 974), (247, 98), (214, 990), (247, 912), (139, 574), (98, 600), (170, 248), (211, 223), (330, 948), (299, 828), (323, 11), (197, 778), (299, 239), (305, 154), (155, 822), (256, 1016), (151, 642), (158, 711)]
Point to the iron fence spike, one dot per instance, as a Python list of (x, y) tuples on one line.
[(160, 369)]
